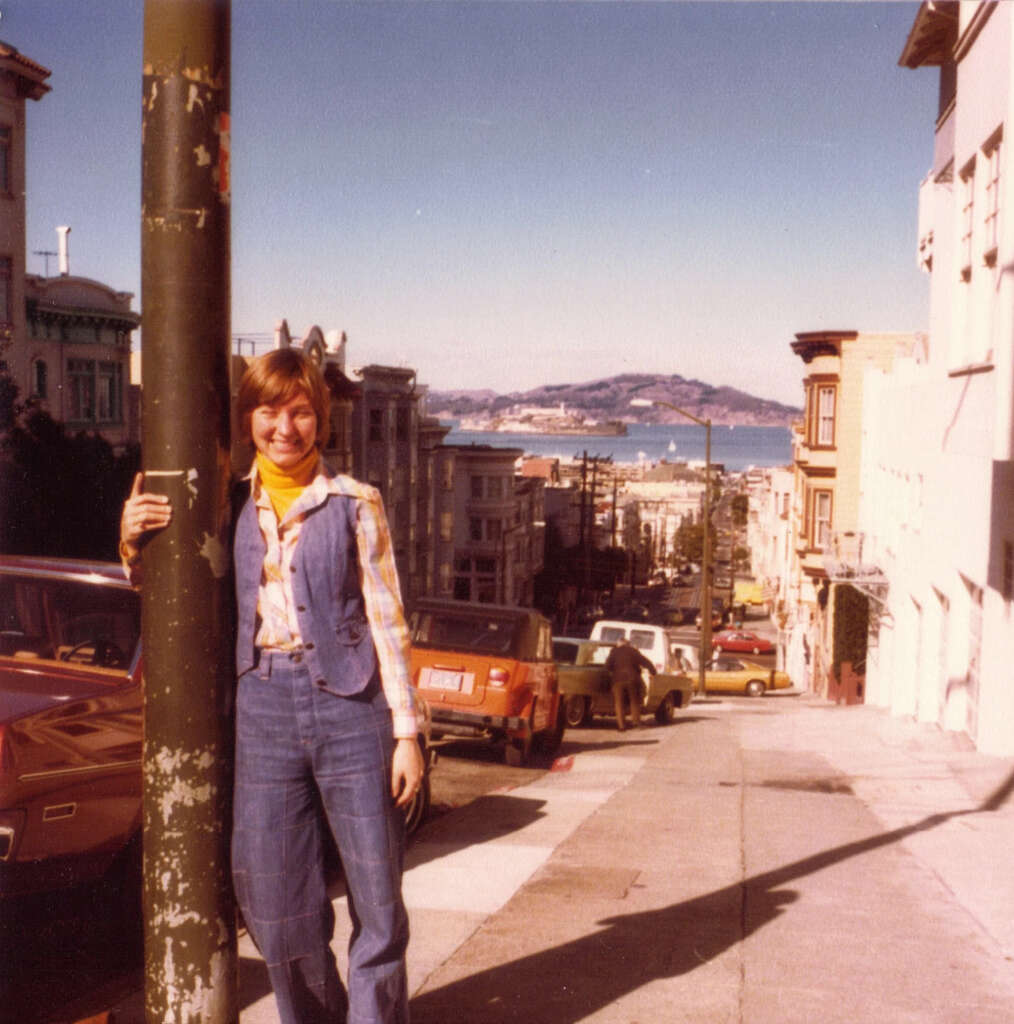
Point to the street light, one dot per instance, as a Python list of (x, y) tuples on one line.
[(705, 643)]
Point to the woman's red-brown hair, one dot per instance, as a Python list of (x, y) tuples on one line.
[(278, 376)]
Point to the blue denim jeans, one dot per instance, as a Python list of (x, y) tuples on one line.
[(308, 759)]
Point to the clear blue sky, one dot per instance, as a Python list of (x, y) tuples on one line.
[(506, 195)]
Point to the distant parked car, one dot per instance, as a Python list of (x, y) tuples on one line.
[(488, 671), (741, 640), (71, 723), (586, 687), (730, 675)]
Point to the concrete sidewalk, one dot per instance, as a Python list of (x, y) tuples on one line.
[(771, 862)]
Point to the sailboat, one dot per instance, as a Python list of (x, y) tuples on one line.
[(672, 446)]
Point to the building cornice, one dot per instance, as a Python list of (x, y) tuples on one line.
[(933, 34), (810, 344), (31, 77), (817, 471)]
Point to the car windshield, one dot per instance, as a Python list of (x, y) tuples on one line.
[(481, 634), (74, 621)]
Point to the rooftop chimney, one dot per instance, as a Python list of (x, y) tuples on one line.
[(63, 232)]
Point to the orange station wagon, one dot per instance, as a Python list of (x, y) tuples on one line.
[(487, 671)]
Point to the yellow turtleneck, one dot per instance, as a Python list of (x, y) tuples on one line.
[(284, 486)]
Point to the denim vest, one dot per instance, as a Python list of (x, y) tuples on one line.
[(337, 642)]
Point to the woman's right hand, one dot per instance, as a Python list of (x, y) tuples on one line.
[(143, 512)]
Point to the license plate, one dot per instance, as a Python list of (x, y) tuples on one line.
[(448, 679)]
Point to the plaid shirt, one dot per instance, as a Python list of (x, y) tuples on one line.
[(378, 575)]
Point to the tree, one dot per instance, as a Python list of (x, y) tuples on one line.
[(740, 509), (741, 556), (690, 540), (61, 493)]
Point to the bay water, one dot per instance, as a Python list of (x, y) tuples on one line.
[(736, 448)]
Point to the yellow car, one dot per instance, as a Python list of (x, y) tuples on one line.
[(733, 675)]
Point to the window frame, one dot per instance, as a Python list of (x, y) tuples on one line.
[(826, 419), (818, 521)]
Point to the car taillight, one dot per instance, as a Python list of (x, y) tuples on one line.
[(499, 677)]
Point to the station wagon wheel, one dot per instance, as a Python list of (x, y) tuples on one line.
[(756, 649), (576, 711), (665, 713), (755, 688)]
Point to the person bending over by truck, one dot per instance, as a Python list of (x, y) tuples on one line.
[(624, 665)]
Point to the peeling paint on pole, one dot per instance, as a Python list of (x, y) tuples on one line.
[(190, 932)]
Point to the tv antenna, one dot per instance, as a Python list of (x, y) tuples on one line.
[(45, 254)]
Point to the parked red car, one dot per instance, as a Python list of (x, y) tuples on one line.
[(740, 640), (70, 721)]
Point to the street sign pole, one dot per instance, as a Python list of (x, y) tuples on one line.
[(189, 915)]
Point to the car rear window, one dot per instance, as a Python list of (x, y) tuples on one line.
[(642, 639), (478, 634), (83, 622), (611, 634)]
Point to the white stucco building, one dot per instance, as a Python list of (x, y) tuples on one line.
[(937, 506)]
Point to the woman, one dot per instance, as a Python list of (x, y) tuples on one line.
[(325, 726)]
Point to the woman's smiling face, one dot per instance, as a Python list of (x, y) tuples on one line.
[(284, 432)]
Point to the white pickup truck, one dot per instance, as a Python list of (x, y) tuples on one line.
[(652, 641)]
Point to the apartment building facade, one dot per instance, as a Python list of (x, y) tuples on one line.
[(21, 80), (825, 503), (938, 483), (74, 361), (499, 526), (64, 340), (769, 538)]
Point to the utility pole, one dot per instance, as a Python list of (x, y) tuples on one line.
[(706, 567), (612, 544), (589, 538), (189, 914), (583, 524)]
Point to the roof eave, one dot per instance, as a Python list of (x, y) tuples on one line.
[(933, 34)]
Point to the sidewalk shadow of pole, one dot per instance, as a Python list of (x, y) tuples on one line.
[(572, 981)]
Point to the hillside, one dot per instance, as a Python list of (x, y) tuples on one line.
[(609, 399)]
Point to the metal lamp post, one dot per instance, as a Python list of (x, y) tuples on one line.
[(705, 642)]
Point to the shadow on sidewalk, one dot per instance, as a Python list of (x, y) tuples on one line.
[(573, 981)]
